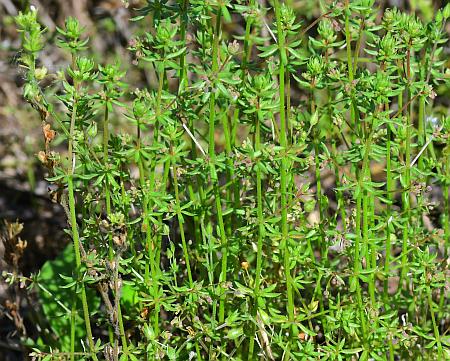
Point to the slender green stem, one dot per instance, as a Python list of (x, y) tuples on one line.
[(152, 240), (183, 86), (213, 172), (247, 42), (183, 26), (72, 327), (340, 196), (362, 24), (407, 174), (421, 130), (230, 176), (76, 245), (123, 336), (435, 327), (391, 350), (156, 127), (141, 167), (348, 40), (164, 184), (289, 124), (389, 190), (73, 217), (181, 222), (446, 195), (365, 247), (261, 231), (183, 236), (322, 246), (248, 45), (106, 139), (283, 173), (359, 197), (446, 222), (150, 262)]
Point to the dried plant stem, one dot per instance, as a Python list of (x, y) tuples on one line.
[(108, 213)]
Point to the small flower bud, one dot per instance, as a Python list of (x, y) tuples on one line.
[(42, 156), (40, 73), (245, 265), (233, 48)]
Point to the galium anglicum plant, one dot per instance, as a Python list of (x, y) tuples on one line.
[(268, 197)]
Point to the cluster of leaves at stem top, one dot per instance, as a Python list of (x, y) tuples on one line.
[(270, 193)]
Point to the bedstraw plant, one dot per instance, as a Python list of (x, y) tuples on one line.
[(277, 191)]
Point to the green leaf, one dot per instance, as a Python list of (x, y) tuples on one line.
[(270, 50), (267, 292), (306, 330), (234, 333), (226, 14), (176, 54), (351, 351), (244, 290)]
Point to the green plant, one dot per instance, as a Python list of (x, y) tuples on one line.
[(246, 250)]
